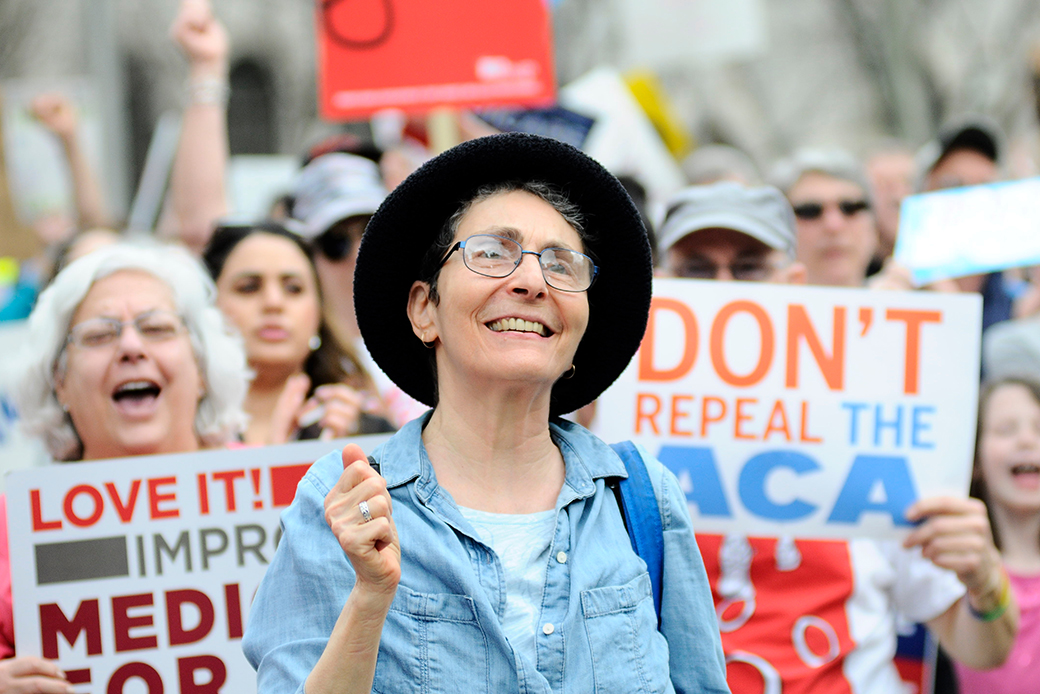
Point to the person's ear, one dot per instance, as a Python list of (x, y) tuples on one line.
[(421, 310)]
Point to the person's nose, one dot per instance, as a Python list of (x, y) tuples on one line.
[(833, 218), (130, 344), (723, 273), (528, 277), (273, 297)]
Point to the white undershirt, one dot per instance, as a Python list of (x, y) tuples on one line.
[(521, 542)]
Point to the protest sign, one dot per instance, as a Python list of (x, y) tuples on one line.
[(803, 411), (136, 574), (416, 55), (969, 231)]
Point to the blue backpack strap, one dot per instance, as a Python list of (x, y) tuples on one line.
[(642, 517)]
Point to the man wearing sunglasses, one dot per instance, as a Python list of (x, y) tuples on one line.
[(829, 193), (334, 196), (729, 231)]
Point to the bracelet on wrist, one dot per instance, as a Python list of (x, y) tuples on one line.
[(1002, 603), (208, 90)]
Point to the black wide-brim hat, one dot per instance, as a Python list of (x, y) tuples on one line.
[(407, 223)]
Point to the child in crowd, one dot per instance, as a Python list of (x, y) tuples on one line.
[(1007, 478)]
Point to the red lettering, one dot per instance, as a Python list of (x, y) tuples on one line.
[(706, 417), (155, 498), (122, 622), (203, 494), (142, 671), (778, 410), (642, 414), (647, 370), (87, 621), (125, 511), (799, 327), (913, 320), (717, 343), (233, 602), (739, 417), (678, 414), (187, 667), (175, 600), (70, 510), (228, 477), (37, 514)]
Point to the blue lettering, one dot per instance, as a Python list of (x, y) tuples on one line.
[(867, 472), (896, 425), (752, 485), (854, 409), (918, 426), (699, 464)]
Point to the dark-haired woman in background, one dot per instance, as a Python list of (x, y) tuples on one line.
[(306, 384)]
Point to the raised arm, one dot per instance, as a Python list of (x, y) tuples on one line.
[(979, 629), (197, 185), (370, 542), (59, 116)]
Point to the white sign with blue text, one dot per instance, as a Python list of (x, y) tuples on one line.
[(803, 411)]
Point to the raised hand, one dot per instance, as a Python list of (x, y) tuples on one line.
[(339, 408), (56, 113), (200, 35), (369, 540)]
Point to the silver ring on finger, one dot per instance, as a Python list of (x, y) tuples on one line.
[(366, 513)]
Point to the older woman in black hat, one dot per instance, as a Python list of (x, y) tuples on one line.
[(504, 283)]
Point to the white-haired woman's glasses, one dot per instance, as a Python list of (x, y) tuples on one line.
[(152, 326)]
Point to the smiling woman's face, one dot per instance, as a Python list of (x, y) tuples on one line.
[(138, 393), (482, 326)]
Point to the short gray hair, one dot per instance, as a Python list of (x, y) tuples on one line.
[(218, 350), (834, 162)]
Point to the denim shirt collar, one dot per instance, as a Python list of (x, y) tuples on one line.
[(586, 458)]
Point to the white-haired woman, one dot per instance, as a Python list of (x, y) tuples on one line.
[(128, 356)]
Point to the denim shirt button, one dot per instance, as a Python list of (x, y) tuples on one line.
[(548, 628), (561, 557)]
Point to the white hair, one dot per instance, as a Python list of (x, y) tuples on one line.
[(218, 349)]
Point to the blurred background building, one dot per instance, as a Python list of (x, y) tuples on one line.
[(854, 73)]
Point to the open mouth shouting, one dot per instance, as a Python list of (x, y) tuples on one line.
[(519, 325), (137, 397), (1026, 475)]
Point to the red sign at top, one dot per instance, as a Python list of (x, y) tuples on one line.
[(417, 55)]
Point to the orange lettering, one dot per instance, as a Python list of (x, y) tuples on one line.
[(778, 409), (647, 370), (707, 418), (805, 436), (648, 416), (913, 320), (718, 334), (739, 417), (678, 414), (800, 327)]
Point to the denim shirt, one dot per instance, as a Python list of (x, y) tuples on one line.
[(443, 632)]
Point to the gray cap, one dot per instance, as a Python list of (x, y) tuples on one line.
[(761, 212), (972, 131), (333, 187), (830, 161)]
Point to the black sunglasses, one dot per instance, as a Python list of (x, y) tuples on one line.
[(335, 244), (814, 210)]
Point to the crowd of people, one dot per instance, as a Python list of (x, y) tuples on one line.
[(388, 292)]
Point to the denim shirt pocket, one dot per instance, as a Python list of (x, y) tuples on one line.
[(621, 626), (432, 643)]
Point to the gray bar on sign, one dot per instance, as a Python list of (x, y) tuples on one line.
[(83, 560)]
